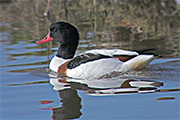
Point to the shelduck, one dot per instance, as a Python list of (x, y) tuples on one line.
[(91, 64)]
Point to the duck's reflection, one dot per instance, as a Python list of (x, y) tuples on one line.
[(71, 102), (71, 105), (106, 86)]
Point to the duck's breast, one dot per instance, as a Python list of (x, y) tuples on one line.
[(56, 62)]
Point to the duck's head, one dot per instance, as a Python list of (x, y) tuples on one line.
[(61, 32), (65, 34)]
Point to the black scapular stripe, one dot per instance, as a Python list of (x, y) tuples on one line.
[(84, 58)]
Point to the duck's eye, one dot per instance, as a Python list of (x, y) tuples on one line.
[(53, 30)]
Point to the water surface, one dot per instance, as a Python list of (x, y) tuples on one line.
[(29, 90)]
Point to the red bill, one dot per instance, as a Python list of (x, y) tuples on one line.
[(46, 39)]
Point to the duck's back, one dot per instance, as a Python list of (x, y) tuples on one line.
[(95, 63)]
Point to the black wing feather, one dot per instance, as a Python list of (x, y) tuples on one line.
[(144, 51), (83, 58)]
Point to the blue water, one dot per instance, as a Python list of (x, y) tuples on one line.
[(21, 101)]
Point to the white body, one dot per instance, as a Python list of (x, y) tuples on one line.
[(97, 68)]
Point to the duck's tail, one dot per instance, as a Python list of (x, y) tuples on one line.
[(137, 62)]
